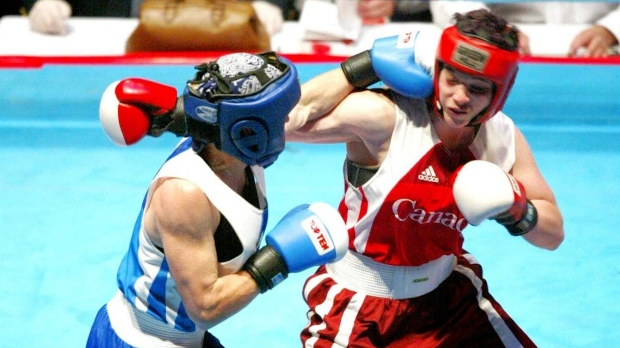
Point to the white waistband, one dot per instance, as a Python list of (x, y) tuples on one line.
[(363, 274), (141, 330)]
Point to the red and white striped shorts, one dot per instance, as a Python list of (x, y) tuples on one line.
[(459, 312)]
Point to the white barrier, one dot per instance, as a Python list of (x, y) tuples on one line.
[(107, 36)]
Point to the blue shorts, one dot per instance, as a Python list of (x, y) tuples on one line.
[(102, 335)]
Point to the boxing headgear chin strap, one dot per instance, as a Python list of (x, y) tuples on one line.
[(249, 126), (478, 57)]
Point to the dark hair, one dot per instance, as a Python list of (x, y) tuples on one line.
[(487, 26)]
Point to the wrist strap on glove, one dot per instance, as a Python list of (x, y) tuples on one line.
[(177, 123), (267, 268), (173, 121), (524, 225), (359, 71)]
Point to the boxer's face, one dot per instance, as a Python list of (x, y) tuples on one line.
[(463, 96)]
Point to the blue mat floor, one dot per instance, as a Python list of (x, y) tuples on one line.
[(69, 198)]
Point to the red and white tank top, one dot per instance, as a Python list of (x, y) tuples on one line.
[(405, 214)]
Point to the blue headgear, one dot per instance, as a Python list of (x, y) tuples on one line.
[(240, 103)]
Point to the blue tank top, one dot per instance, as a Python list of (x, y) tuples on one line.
[(144, 276)]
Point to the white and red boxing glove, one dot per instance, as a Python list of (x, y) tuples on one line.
[(49, 16), (128, 106), (482, 190)]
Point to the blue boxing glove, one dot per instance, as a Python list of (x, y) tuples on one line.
[(309, 235), (394, 61)]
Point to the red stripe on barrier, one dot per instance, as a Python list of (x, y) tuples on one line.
[(171, 58), (155, 58), (611, 60)]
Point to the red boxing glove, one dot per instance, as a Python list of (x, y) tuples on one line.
[(127, 107), (483, 190)]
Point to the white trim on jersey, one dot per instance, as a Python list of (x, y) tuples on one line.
[(362, 274), (142, 330)]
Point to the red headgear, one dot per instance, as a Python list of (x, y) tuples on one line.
[(478, 57)]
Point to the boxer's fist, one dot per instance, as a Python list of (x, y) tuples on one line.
[(307, 236), (270, 15), (394, 61), (49, 16), (128, 107), (482, 190)]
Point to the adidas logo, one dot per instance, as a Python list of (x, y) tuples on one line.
[(428, 175)]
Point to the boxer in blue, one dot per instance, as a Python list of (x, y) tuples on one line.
[(193, 260)]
